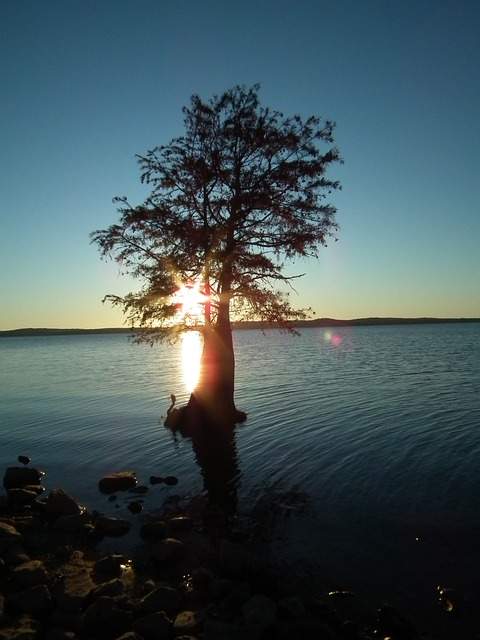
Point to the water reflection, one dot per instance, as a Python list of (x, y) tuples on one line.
[(191, 354)]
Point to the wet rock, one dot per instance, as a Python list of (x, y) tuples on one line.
[(24, 459), (73, 590), (59, 503), (111, 588), (105, 619), (110, 565), (154, 530), (291, 607), (72, 523), (36, 488), (59, 634), (140, 490), (35, 600), (26, 523), (18, 477), (161, 599), (130, 635), (30, 574), (155, 626), (392, 623), (156, 479), (16, 556), (8, 536), (259, 612), (187, 622), (170, 480), (120, 481), (180, 524), (448, 599), (19, 497), (168, 551), (111, 527), (340, 594), (24, 628), (135, 507)]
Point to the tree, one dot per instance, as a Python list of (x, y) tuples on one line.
[(235, 198)]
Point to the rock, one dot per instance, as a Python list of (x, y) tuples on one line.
[(105, 619), (110, 565), (259, 612), (112, 527), (234, 559), (170, 480), (24, 628), (27, 523), (161, 599), (120, 481), (71, 622), (3, 568), (154, 530), (392, 623), (30, 574), (73, 590), (215, 629), (35, 600), (168, 551), (202, 579), (8, 536), (19, 497), (340, 593), (131, 635), (291, 607), (180, 524), (187, 622), (156, 479), (24, 459), (155, 626), (111, 588), (2, 606), (60, 503), (59, 634), (140, 490), (15, 556), (135, 507), (18, 477), (36, 488), (72, 523)]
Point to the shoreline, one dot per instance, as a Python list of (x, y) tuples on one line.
[(192, 573)]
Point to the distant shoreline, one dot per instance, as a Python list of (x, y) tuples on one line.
[(252, 324)]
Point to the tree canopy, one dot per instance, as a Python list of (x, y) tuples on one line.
[(243, 191)]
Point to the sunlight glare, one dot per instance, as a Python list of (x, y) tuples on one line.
[(190, 300), (191, 354)]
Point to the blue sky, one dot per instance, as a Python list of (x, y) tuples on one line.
[(87, 85)]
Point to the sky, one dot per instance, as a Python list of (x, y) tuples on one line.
[(87, 85)]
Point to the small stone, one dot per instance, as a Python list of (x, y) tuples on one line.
[(155, 626), (187, 622), (259, 612), (18, 477), (59, 503), (110, 565), (161, 599), (168, 551), (30, 574), (105, 619), (180, 524), (120, 481), (35, 600), (135, 507), (111, 588), (154, 530), (24, 459), (156, 479), (170, 480), (112, 527)]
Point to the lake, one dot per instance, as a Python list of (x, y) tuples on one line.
[(360, 455)]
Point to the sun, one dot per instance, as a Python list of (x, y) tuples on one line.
[(190, 300)]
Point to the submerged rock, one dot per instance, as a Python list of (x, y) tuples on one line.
[(156, 479), (170, 480), (135, 507), (24, 459), (120, 481)]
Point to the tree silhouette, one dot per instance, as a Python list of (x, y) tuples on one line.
[(242, 192)]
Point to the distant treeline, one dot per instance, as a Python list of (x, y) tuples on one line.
[(251, 324)]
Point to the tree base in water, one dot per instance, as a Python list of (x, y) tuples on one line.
[(195, 414)]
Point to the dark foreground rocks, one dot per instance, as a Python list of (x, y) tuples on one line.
[(185, 580)]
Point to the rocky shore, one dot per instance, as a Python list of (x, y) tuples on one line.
[(190, 577)]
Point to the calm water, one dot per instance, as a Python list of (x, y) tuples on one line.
[(361, 452)]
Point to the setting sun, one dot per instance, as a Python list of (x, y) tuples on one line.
[(190, 299)]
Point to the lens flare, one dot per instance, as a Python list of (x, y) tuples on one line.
[(332, 338)]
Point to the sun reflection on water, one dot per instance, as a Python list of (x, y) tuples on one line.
[(191, 354)]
